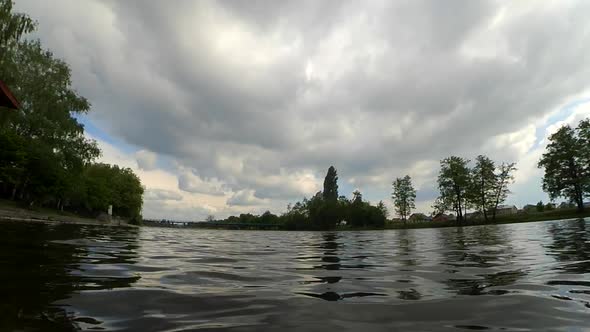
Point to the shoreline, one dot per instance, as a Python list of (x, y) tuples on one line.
[(4, 219), (12, 212), (513, 219)]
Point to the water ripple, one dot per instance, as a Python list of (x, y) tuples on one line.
[(506, 277)]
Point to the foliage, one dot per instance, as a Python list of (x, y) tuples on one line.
[(504, 177), (12, 26), (321, 211), (453, 183), (331, 185), (404, 196), (540, 206), (483, 185), (566, 164)]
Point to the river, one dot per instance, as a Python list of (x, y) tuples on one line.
[(525, 277)]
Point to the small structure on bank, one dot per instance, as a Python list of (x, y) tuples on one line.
[(506, 210), (419, 217), (7, 98), (441, 217)]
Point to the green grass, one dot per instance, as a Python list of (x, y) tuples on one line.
[(506, 219)]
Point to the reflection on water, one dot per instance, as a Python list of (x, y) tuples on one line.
[(522, 276)]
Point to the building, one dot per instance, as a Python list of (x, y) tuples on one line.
[(7, 99), (506, 210), (417, 217), (441, 217)]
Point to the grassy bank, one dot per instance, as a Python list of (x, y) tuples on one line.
[(507, 219), (15, 211)]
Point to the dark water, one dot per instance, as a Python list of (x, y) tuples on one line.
[(520, 277)]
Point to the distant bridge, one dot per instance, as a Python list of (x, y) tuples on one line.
[(208, 224)]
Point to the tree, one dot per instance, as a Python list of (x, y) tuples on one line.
[(540, 206), (404, 197), (12, 26), (453, 183), (483, 184), (503, 179), (566, 171), (330, 192)]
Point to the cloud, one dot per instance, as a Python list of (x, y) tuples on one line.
[(244, 198), (146, 160), (261, 98), (192, 183), (162, 195)]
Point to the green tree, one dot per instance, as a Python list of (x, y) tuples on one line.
[(566, 174), (504, 177), (404, 197), (540, 206), (483, 185), (330, 192), (12, 26), (453, 183)]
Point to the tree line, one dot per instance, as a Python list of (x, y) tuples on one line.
[(325, 210), (45, 158), (482, 188)]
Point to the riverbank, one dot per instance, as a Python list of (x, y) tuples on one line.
[(13, 212), (558, 214)]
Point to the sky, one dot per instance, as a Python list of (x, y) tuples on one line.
[(228, 107)]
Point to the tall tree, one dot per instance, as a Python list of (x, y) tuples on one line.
[(504, 177), (565, 173), (330, 192), (483, 185), (453, 183), (404, 197), (584, 137)]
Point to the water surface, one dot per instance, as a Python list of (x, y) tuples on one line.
[(524, 277)]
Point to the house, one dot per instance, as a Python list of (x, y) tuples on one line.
[(417, 217), (506, 210), (7, 99), (566, 205), (441, 217), (474, 215), (529, 208)]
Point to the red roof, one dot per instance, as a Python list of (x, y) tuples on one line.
[(7, 99)]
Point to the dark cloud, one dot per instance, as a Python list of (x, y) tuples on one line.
[(250, 91)]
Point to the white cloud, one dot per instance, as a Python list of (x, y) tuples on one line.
[(244, 198), (192, 183), (146, 160)]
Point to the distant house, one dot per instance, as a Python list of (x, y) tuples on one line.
[(417, 217), (529, 208), (7, 99), (474, 215), (441, 217), (506, 210), (566, 205)]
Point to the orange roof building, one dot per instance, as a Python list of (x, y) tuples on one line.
[(7, 99)]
